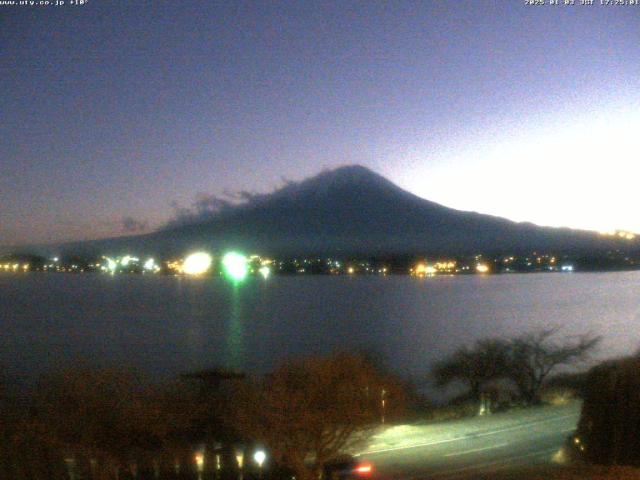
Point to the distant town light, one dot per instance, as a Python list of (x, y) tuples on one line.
[(619, 233), (197, 263), (265, 272), (235, 265)]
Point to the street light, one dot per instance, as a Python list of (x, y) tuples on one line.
[(240, 460), (199, 457), (71, 467), (260, 457), (93, 463)]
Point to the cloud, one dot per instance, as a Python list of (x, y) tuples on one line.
[(204, 206), (131, 225), (207, 206)]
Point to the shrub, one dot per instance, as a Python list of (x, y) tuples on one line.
[(609, 427)]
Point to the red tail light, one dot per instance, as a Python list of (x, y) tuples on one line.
[(364, 469)]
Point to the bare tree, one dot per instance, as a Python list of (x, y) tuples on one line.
[(532, 357), (527, 361), (309, 410), (473, 366)]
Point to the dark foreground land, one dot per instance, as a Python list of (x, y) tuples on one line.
[(562, 473)]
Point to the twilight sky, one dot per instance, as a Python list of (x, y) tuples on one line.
[(116, 113)]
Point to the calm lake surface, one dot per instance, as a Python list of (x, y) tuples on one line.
[(169, 325)]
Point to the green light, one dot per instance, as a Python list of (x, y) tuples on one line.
[(235, 265)]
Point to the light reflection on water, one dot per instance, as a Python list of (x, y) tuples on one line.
[(235, 333), (168, 325)]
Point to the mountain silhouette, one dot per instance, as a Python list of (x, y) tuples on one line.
[(352, 210)]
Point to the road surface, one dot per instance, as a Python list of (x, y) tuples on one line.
[(458, 448)]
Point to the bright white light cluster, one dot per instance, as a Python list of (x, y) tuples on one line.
[(197, 263), (151, 266)]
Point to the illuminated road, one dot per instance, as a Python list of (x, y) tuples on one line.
[(458, 448)]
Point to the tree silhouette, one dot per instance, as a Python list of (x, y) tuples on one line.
[(474, 366), (526, 360), (532, 357)]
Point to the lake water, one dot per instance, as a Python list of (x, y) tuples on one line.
[(168, 325)]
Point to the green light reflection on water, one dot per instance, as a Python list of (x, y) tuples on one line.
[(235, 333)]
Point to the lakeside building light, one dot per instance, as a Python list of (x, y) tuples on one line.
[(445, 266), (482, 268), (423, 270), (174, 266), (197, 263)]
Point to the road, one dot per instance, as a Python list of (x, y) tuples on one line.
[(458, 448)]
